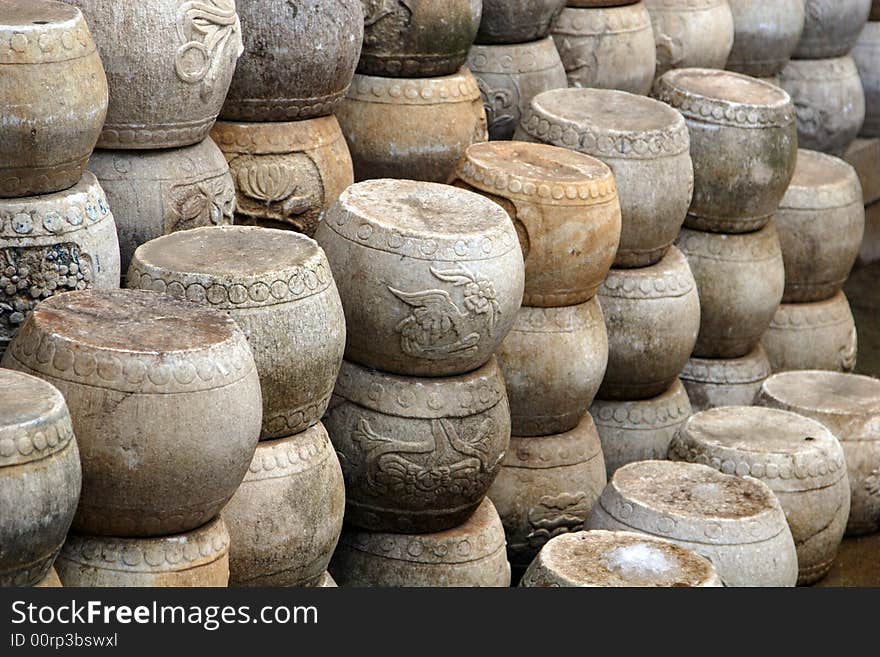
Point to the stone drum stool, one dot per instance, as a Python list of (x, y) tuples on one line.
[(40, 477), (165, 401), (278, 288), (798, 458), (517, 21), (714, 382), (618, 559), (831, 27), (736, 522), (849, 405), (765, 35)]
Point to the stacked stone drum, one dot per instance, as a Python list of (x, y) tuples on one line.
[(743, 143), (823, 78), (821, 221), (164, 398), (283, 144), (866, 53), (169, 65), (56, 230), (649, 299), (414, 106), (431, 278), (284, 520), (765, 36)]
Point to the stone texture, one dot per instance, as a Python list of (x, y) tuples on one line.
[(285, 518), (430, 276), (550, 393), (849, 406), (766, 34), (153, 193), (813, 336), (414, 38), (40, 477), (821, 221), (299, 58), (618, 559), (798, 458), (856, 564), (866, 54), (691, 33), (50, 581), (717, 382), (169, 65), (509, 77), (546, 487), (286, 174), (741, 278), (278, 288), (418, 454), (864, 156), (639, 430), (565, 208), (326, 582), (165, 402), (829, 99), (735, 522), (51, 244), (646, 145), (416, 129), (653, 317), (831, 27), (469, 555), (54, 96), (517, 21), (743, 144), (197, 558), (607, 48)]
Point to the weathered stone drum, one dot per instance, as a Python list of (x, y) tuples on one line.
[(866, 54), (766, 34), (386, 122), (278, 288), (743, 144), (169, 65), (469, 555), (165, 402), (550, 394), (798, 458), (430, 276), (735, 522), (565, 209), (546, 487), (53, 94), (618, 559), (715, 382), (418, 454), (299, 58), (517, 21), (40, 477), (831, 27), (286, 174), (653, 317)]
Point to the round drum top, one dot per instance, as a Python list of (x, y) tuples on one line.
[(35, 15), (537, 162), (822, 181), (727, 86), (27, 401), (826, 392)]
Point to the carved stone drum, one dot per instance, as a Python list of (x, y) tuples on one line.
[(831, 27), (740, 278), (197, 558), (286, 174), (866, 54), (550, 393), (766, 34), (849, 405), (165, 402), (617, 559), (278, 288), (53, 95), (169, 64), (546, 487), (299, 58), (430, 276), (715, 382), (735, 522), (52, 244), (418, 454), (154, 193), (469, 555), (517, 21), (646, 145), (565, 209), (743, 144), (798, 458), (40, 477), (653, 317)]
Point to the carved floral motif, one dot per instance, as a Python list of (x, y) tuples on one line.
[(203, 203), (502, 106), (555, 515), (204, 28)]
